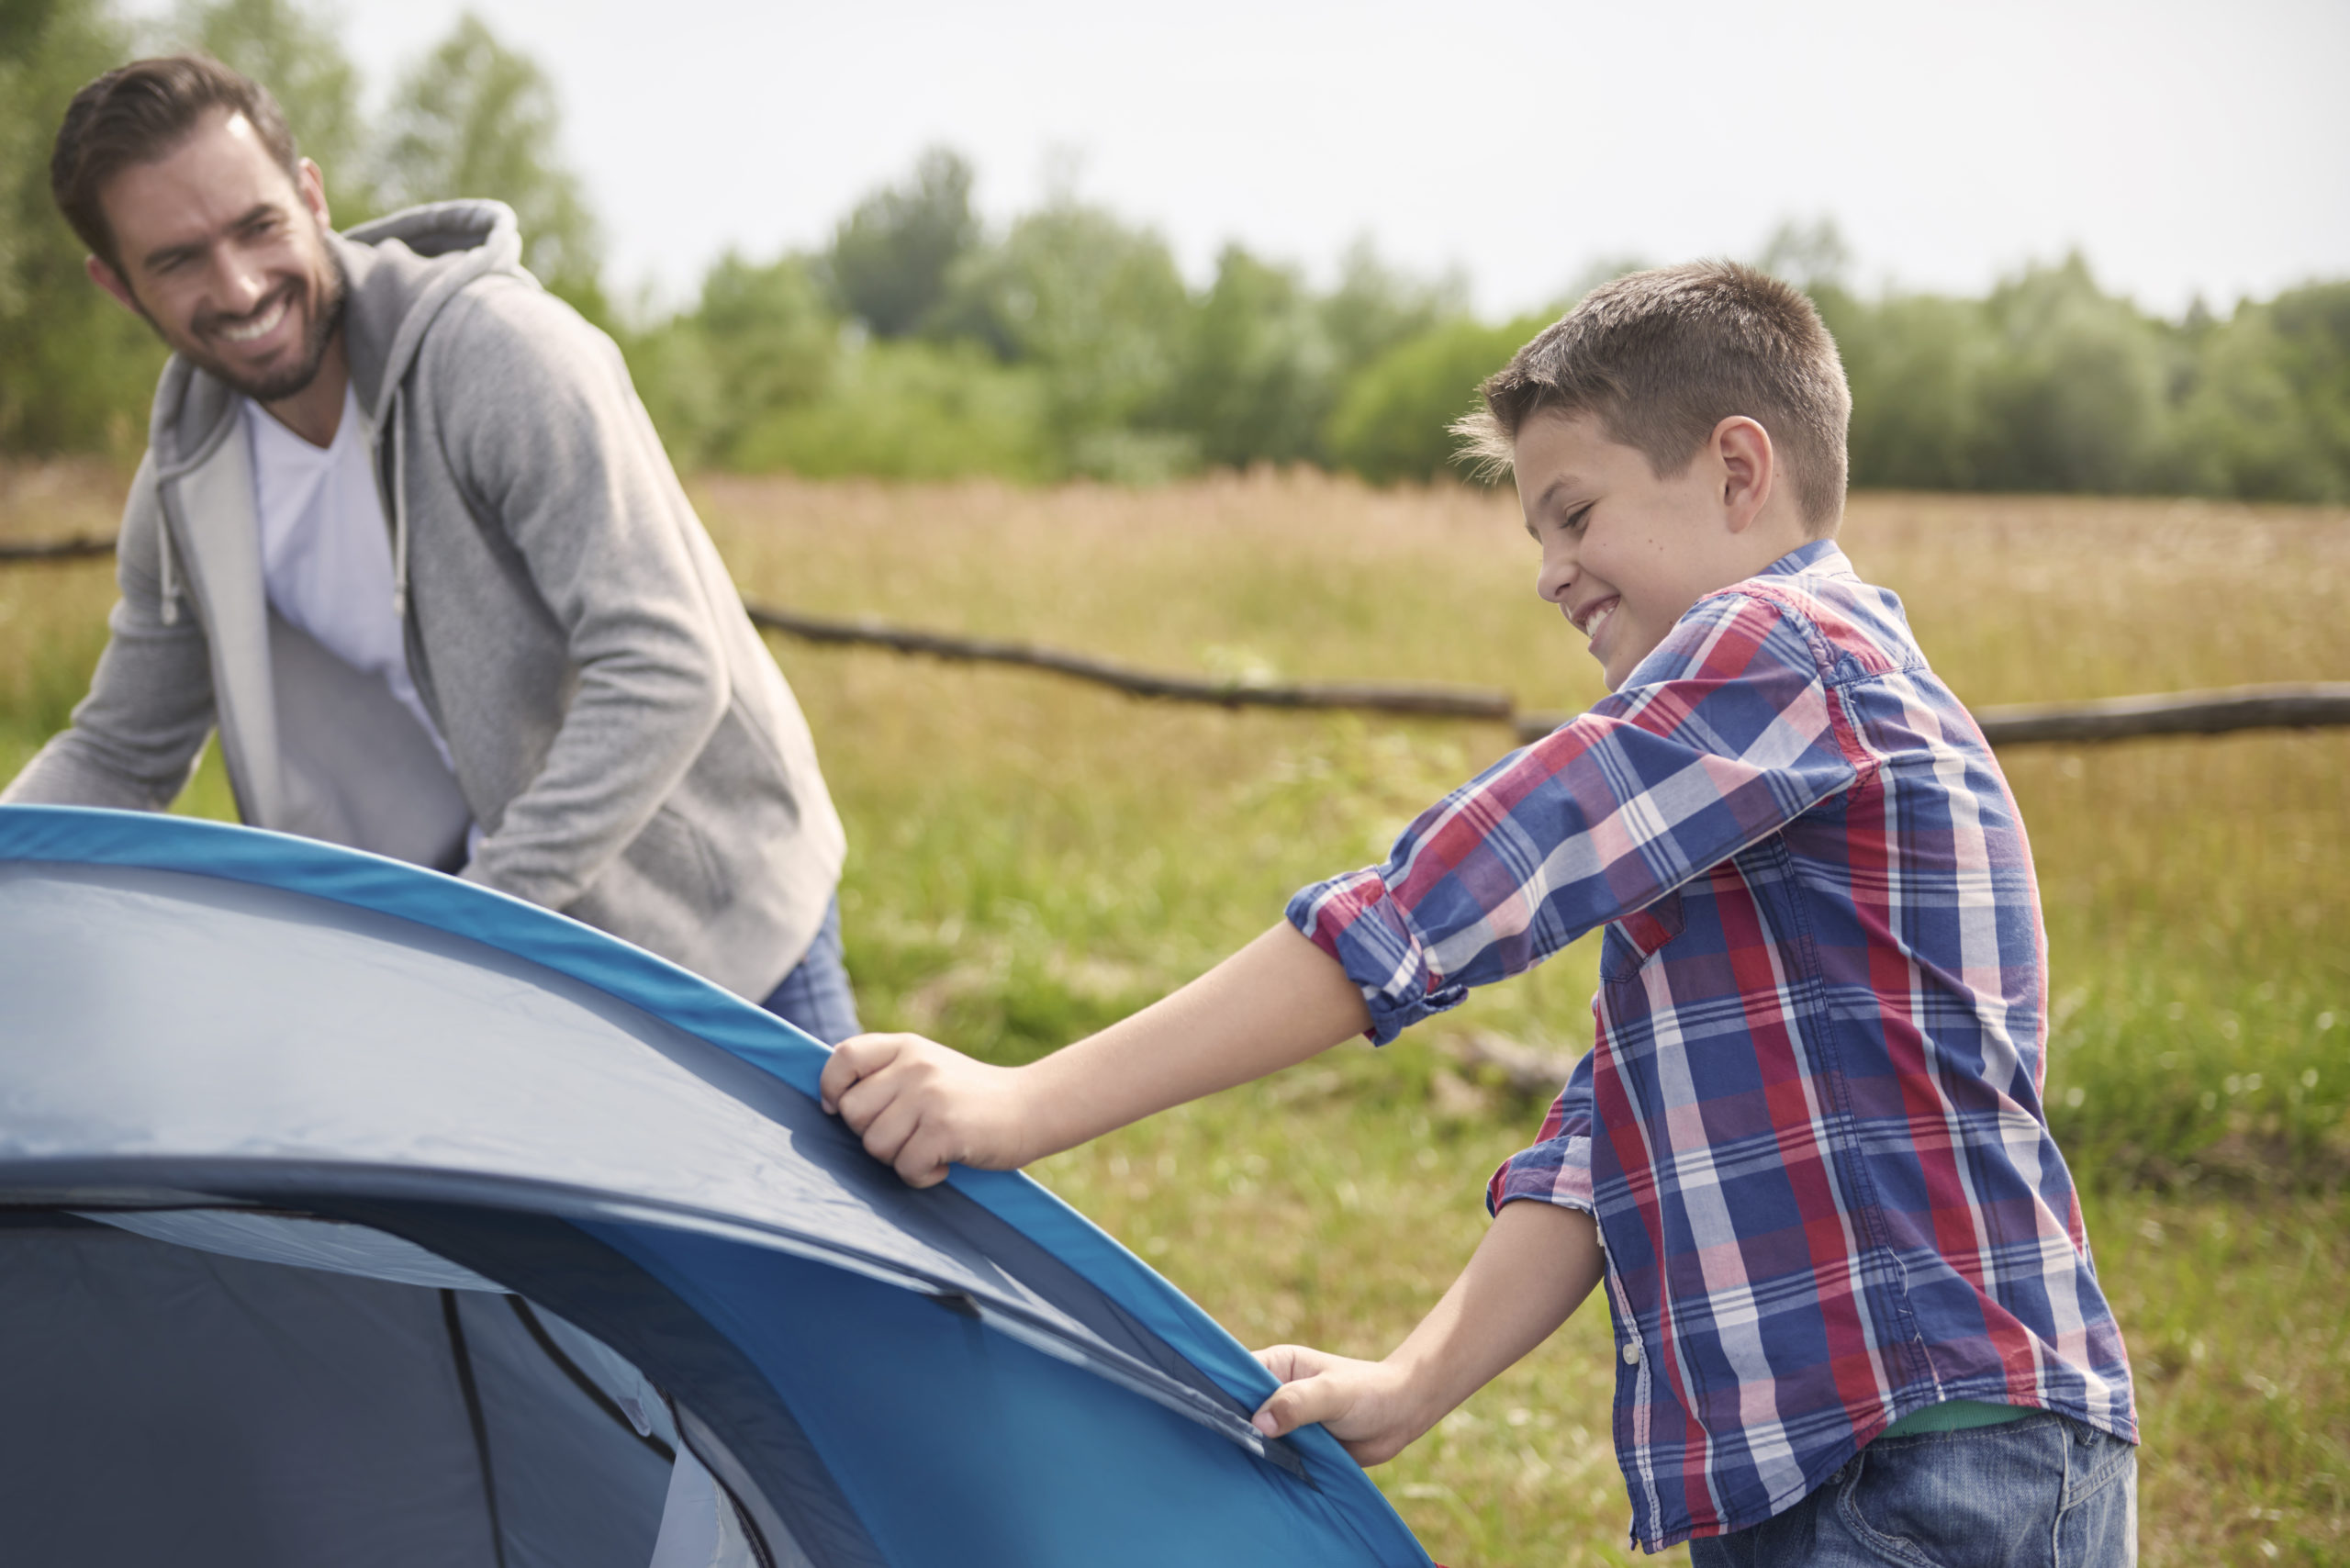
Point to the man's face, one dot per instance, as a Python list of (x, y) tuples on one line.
[(227, 258), (1624, 553)]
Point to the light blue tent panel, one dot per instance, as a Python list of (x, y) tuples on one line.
[(586, 1213)]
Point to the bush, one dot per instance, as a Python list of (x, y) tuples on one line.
[(1393, 422), (908, 410)]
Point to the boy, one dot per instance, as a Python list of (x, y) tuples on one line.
[(1854, 1311)]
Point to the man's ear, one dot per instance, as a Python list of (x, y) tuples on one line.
[(106, 277), (312, 186), (1750, 469)]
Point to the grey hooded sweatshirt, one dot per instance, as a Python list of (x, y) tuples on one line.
[(616, 726)]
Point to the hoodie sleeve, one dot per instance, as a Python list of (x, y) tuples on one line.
[(544, 432), (135, 739)]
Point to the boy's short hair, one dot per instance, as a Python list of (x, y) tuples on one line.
[(1661, 357), (138, 113)]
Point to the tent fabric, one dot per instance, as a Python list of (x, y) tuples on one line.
[(199, 1409), (299, 1241), (297, 1070)]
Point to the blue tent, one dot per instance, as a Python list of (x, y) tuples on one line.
[(353, 1215)]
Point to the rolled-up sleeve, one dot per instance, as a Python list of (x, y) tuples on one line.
[(1722, 737), (1557, 1170)]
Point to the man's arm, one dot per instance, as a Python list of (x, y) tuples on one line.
[(1532, 1270), (918, 1105), (547, 434), (135, 738)]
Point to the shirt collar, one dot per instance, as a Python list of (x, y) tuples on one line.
[(1820, 555)]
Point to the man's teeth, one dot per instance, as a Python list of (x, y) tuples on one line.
[(245, 333), (1592, 623)]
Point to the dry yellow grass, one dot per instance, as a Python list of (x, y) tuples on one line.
[(1031, 856)]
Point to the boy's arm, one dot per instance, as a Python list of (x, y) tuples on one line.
[(918, 1105), (1734, 739), (1534, 1267)]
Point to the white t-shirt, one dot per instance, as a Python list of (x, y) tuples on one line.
[(326, 552)]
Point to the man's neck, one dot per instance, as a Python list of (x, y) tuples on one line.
[(315, 413)]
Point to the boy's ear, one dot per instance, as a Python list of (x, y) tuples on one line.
[(1750, 469)]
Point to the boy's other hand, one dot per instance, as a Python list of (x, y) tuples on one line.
[(1364, 1404), (920, 1107)]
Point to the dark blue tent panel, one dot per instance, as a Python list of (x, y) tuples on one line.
[(353, 1213)]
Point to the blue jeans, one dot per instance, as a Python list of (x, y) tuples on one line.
[(2039, 1491), (815, 994)]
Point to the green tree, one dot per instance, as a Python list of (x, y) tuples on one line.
[(1256, 374), (2268, 414), (2078, 395), (1098, 310), (1395, 420), (911, 409), (1812, 256), (890, 257), (477, 118), (761, 338), (292, 50), (1918, 364), (1374, 307), (76, 370)]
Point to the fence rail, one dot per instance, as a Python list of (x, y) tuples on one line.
[(55, 549), (1427, 701), (2302, 706), (2307, 706)]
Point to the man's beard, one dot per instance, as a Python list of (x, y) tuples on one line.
[(325, 320)]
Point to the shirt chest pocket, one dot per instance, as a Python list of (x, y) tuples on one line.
[(1632, 941)]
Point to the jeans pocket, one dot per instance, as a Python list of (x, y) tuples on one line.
[(1855, 1507), (2099, 1526), (1987, 1498)]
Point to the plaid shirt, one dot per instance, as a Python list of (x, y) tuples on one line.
[(1810, 1128)]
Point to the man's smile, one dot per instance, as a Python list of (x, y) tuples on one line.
[(257, 325)]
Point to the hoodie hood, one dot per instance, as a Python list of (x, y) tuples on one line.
[(402, 270), (399, 272)]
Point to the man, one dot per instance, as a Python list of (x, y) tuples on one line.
[(406, 537)]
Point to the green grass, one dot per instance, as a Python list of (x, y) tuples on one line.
[(1031, 859)]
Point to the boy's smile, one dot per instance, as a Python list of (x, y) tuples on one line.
[(1625, 553)]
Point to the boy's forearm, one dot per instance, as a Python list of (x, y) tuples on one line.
[(1534, 1267), (1273, 1004), (922, 1107)]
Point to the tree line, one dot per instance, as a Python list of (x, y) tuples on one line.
[(923, 343)]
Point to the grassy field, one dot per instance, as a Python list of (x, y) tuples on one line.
[(1032, 858)]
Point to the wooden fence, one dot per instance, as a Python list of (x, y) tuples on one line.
[(2303, 706), (2306, 706)]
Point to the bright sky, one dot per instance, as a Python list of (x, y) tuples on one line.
[(2185, 147)]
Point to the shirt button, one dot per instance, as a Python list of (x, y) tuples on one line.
[(1631, 1353)]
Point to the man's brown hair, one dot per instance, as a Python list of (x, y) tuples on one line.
[(1660, 358), (138, 113)]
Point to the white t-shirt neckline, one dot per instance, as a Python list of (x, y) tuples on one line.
[(326, 549)]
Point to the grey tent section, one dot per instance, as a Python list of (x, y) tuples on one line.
[(196, 1407), (350, 1214)]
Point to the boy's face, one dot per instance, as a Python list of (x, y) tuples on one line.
[(1625, 553)]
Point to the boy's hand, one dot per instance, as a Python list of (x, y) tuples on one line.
[(1365, 1404), (920, 1107)]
